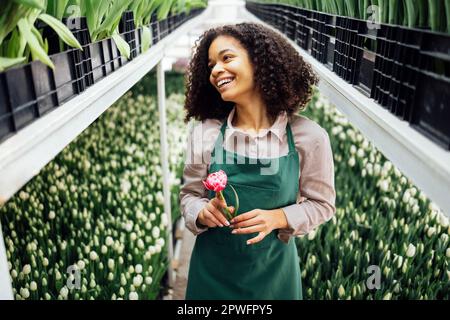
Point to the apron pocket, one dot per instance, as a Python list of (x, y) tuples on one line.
[(238, 242)]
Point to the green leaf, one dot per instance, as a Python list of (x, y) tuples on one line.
[(122, 45), (62, 31), (146, 39), (6, 63), (33, 43), (237, 200), (37, 4), (164, 9)]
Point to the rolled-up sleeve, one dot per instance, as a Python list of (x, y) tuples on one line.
[(316, 198)]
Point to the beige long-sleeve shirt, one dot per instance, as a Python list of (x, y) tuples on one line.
[(316, 195)]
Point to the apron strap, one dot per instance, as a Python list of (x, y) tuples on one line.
[(290, 137)]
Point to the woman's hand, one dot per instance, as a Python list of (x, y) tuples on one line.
[(211, 215), (258, 220)]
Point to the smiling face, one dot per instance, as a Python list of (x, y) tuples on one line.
[(231, 69)]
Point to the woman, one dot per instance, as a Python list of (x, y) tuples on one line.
[(246, 84)]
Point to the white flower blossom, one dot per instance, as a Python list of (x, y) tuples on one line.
[(109, 241), (93, 255), (133, 296), (148, 280), (26, 269), (341, 291), (155, 232)]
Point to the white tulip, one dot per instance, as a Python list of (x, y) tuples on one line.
[(443, 220), (411, 251), (388, 296), (33, 286), (160, 242), (64, 292), (155, 232), (133, 296), (431, 231), (148, 280), (109, 241), (26, 269), (406, 196), (447, 253), (137, 280), (93, 255), (81, 264), (384, 185), (351, 162), (341, 291), (24, 293)]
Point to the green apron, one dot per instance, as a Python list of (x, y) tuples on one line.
[(222, 265)]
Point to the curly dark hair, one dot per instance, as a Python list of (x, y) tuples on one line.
[(282, 77)]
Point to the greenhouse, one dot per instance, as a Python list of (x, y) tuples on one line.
[(341, 188)]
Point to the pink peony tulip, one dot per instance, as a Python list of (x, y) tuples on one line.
[(216, 181)]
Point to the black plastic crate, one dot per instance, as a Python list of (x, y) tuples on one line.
[(31, 90), (346, 51), (105, 58), (78, 27), (6, 118), (154, 26), (288, 24), (304, 29), (431, 111), (384, 64), (163, 28), (323, 38), (405, 71), (138, 39), (366, 46), (127, 31)]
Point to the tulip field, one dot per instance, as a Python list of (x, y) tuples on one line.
[(381, 220), (99, 206)]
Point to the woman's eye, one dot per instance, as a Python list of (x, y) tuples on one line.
[(226, 57)]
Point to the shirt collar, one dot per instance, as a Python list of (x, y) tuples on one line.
[(278, 128)]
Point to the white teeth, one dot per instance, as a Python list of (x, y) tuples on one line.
[(224, 81)]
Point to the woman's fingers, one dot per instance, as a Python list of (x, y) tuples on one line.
[(248, 223), (245, 216), (218, 215), (258, 238), (211, 219), (251, 229)]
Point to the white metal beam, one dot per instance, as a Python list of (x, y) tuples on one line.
[(165, 164)]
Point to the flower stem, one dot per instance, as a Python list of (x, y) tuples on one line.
[(225, 210)]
